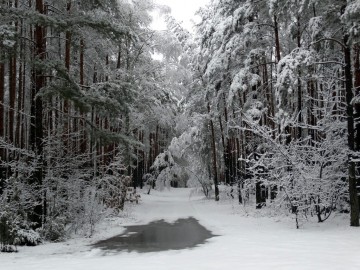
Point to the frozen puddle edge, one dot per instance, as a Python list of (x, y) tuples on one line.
[(158, 236)]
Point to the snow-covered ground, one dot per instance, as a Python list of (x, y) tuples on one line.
[(242, 242)]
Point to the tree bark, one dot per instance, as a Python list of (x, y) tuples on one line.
[(357, 93), (12, 97), (2, 92), (299, 108), (357, 109), (36, 134), (277, 40), (66, 109), (225, 156), (214, 161), (354, 203), (83, 142), (20, 106)]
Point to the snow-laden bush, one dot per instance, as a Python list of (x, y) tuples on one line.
[(16, 205), (27, 237), (15, 230), (306, 177), (113, 184), (88, 212), (70, 198), (199, 178), (77, 199), (54, 229), (8, 248), (165, 170), (7, 234)]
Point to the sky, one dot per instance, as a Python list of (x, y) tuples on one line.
[(182, 10)]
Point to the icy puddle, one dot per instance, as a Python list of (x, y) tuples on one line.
[(158, 236)]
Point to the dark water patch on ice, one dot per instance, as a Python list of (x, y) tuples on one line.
[(158, 236)]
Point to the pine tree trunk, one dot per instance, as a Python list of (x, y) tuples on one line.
[(357, 109), (258, 195), (354, 203), (277, 40), (2, 92), (357, 93), (299, 107), (127, 146), (83, 141), (36, 134), (12, 97), (214, 161), (2, 133), (225, 156), (66, 109), (19, 122)]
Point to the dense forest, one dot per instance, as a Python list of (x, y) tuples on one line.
[(261, 101)]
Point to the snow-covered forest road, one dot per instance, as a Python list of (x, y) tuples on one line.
[(241, 243)]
